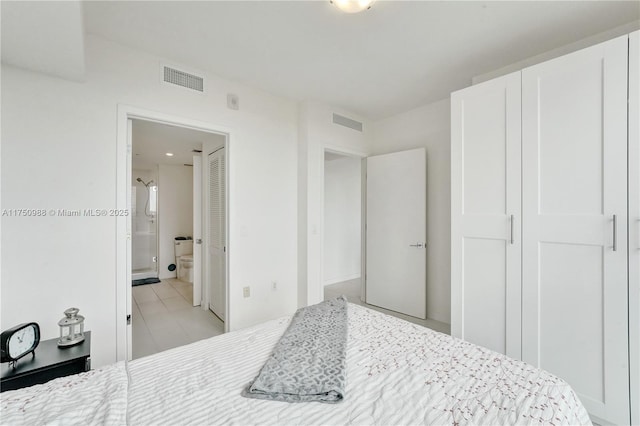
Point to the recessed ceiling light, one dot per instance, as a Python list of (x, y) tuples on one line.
[(352, 6), (169, 154)]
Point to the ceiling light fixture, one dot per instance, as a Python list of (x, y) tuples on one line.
[(169, 154), (352, 6)]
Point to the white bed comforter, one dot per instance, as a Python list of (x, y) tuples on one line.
[(96, 397), (397, 373)]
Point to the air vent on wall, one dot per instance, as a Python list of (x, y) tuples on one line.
[(347, 122), (184, 79)]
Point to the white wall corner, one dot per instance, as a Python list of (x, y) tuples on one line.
[(46, 37), (303, 142)]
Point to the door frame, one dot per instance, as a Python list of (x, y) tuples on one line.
[(198, 182), (363, 197), (123, 223)]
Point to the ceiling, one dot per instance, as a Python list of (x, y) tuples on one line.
[(151, 142), (394, 57)]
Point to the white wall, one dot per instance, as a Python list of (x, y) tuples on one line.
[(342, 220), (428, 126), (59, 151), (316, 132), (175, 213)]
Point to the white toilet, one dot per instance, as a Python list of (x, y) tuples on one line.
[(184, 260)]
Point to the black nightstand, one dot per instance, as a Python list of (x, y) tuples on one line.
[(49, 363)]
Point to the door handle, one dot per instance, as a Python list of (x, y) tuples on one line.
[(615, 233), (511, 232), (419, 245), (198, 240)]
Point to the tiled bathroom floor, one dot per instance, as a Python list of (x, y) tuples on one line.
[(163, 318)]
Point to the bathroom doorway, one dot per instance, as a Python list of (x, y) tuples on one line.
[(168, 301)]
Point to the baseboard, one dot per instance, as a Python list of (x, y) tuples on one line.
[(341, 279), (167, 276), (437, 316)]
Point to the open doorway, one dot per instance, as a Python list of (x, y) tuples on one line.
[(170, 234), (342, 230), (369, 188)]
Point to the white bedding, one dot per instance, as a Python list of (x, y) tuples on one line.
[(397, 373), (95, 397)]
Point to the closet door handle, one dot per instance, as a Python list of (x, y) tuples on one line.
[(615, 233), (511, 237)]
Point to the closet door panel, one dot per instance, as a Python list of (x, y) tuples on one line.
[(485, 245), (634, 223), (570, 143), (571, 328), (485, 295), (574, 251), (484, 154)]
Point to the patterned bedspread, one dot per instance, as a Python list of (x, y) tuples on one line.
[(397, 373)]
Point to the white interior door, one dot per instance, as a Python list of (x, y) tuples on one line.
[(485, 215), (574, 322), (217, 233), (197, 230), (396, 232)]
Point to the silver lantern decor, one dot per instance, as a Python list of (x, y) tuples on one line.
[(71, 328)]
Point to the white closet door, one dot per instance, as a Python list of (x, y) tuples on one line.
[(574, 323), (485, 214), (217, 233), (634, 222), (221, 303), (396, 272)]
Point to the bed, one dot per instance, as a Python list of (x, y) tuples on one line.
[(396, 373)]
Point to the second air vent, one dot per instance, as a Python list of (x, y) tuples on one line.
[(184, 79), (347, 122)]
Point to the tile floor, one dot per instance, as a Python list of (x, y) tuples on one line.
[(351, 289), (163, 318)]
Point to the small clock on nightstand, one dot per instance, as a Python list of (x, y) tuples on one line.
[(19, 341), (48, 360)]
